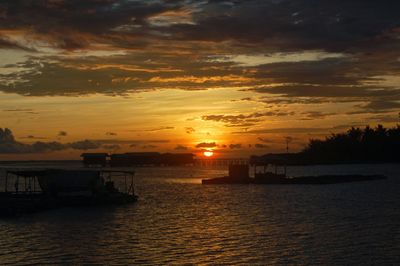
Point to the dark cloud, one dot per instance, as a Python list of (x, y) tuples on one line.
[(382, 105), (130, 141), (244, 120), (149, 146), (235, 146), (18, 110), (21, 110), (84, 145), (189, 130), (48, 146), (329, 91), (8, 144), (288, 25), (261, 146), (77, 24), (159, 129), (62, 133), (111, 146), (278, 25), (181, 148), (111, 134), (206, 145), (265, 140), (311, 115), (386, 118), (192, 48), (300, 130), (153, 129), (33, 137)]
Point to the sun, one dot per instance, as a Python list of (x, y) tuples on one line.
[(208, 153)]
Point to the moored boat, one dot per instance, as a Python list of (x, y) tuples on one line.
[(37, 190), (239, 174)]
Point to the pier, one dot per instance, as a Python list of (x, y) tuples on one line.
[(220, 161)]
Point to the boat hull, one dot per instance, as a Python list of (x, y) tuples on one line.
[(226, 180), (317, 180), (16, 204)]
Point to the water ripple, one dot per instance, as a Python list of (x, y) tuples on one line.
[(177, 221)]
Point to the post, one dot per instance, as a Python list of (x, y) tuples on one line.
[(126, 189), (133, 189), (16, 184), (6, 182)]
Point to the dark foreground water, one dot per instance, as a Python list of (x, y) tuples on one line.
[(179, 221)]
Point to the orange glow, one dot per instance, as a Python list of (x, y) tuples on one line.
[(208, 153)]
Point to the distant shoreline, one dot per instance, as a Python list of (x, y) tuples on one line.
[(41, 161), (288, 163)]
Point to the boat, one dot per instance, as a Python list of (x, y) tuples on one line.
[(270, 178), (43, 189), (239, 174)]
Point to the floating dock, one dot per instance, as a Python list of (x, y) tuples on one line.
[(239, 174)]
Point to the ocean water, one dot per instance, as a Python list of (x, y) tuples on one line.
[(178, 221)]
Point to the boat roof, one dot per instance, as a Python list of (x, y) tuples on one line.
[(27, 173)]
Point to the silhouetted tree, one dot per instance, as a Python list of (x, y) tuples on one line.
[(356, 145)]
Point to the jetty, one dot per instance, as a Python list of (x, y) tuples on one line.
[(33, 190), (137, 159), (239, 174)]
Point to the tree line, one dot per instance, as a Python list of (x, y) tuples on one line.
[(356, 145)]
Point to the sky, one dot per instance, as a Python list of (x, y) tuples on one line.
[(235, 77)]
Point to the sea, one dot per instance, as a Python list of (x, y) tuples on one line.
[(178, 221)]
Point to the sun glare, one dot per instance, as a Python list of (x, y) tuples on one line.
[(208, 153)]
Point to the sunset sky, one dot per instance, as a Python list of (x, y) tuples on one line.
[(236, 77)]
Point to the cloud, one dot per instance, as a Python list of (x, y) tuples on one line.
[(261, 146), (189, 130), (206, 145), (75, 24), (18, 110), (40, 146), (245, 120), (159, 129), (386, 118), (311, 115), (84, 145), (116, 47), (8, 144), (235, 146), (111, 146), (299, 130), (111, 134), (382, 105), (153, 129), (21, 110), (181, 148), (264, 140), (33, 137), (149, 146), (62, 133)]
